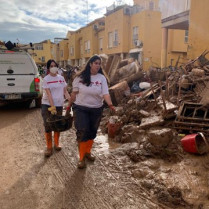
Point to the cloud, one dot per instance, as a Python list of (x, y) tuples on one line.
[(35, 21)]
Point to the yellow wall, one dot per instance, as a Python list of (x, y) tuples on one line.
[(198, 28), (101, 34), (55, 52), (46, 52), (72, 43), (120, 22), (137, 20), (176, 46), (64, 51), (149, 24), (88, 31)]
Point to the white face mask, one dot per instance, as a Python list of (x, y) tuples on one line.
[(53, 70)]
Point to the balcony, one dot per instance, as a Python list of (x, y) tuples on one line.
[(175, 14)]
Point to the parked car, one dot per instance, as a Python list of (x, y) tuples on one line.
[(19, 78)]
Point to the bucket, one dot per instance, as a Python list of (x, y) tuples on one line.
[(113, 129), (195, 143)]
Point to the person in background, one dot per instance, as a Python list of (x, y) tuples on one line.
[(54, 94), (60, 71), (89, 91)]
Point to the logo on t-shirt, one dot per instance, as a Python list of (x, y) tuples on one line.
[(97, 83), (60, 81)]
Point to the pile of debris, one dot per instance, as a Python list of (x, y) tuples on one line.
[(174, 99)]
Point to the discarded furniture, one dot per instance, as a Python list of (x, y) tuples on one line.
[(193, 117)]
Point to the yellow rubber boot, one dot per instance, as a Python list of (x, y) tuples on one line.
[(48, 151), (89, 156), (56, 141)]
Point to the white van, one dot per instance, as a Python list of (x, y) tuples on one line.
[(19, 78)]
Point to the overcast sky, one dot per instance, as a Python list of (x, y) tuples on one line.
[(37, 20)]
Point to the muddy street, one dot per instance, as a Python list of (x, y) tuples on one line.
[(114, 180)]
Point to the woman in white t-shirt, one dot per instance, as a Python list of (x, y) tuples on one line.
[(54, 94), (89, 91)]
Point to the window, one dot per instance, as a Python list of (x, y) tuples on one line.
[(115, 41), (186, 36), (61, 53), (42, 59), (81, 47), (101, 44), (110, 39), (71, 51), (151, 5), (39, 47), (101, 23), (135, 34), (87, 46)]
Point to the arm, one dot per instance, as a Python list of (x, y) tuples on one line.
[(108, 99), (67, 95), (52, 109), (72, 98), (48, 92)]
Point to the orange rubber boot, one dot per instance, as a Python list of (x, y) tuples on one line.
[(89, 156), (56, 141), (82, 151), (48, 151)]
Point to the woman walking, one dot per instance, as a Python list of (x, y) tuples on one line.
[(54, 94), (89, 91)]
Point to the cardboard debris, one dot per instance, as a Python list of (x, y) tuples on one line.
[(117, 92)]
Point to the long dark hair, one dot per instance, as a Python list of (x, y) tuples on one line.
[(49, 63), (85, 74)]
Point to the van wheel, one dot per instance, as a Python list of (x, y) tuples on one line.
[(26, 104), (38, 102)]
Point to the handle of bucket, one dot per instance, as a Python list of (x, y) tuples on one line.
[(202, 135)]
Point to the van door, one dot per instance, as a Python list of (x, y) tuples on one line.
[(17, 72)]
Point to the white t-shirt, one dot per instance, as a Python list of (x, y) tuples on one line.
[(92, 95), (56, 84)]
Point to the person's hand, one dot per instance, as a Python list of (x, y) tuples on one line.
[(68, 109), (112, 108), (53, 110)]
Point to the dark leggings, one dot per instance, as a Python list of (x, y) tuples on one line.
[(46, 114), (86, 121)]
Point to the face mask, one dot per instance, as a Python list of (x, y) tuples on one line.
[(53, 70)]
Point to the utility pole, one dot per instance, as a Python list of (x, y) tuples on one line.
[(87, 11)]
